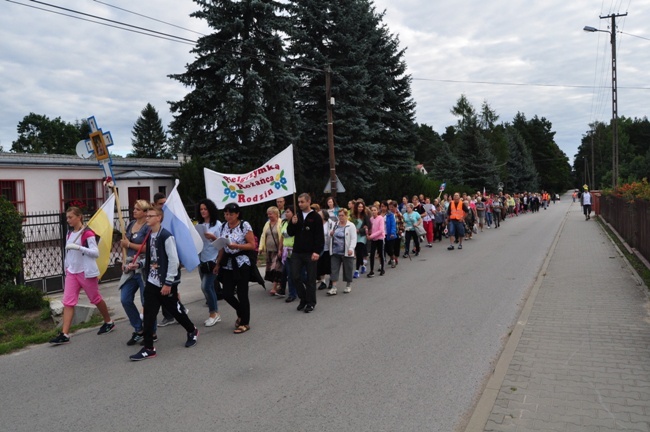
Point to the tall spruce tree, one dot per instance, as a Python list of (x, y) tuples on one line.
[(521, 172), (374, 131), (240, 111), (551, 162), (149, 138), (478, 168), (446, 166)]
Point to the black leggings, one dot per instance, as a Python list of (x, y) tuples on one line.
[(241, 304), (377, 246), (416, 241), (360, 251)]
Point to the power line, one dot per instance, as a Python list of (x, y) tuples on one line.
[(127, 27), (524, 84), (288, 62), (100, 23), (112, 21), (148, 17), (629, 34)]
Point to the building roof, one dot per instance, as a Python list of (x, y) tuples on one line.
[(56, 160), (139, 174)]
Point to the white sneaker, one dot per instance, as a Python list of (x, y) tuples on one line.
[(212, 321), (332, 291), (347, 290)]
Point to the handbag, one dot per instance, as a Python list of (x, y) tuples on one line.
[(419, 230)]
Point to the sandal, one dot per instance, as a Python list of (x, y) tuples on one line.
[(272, 293), (237, 322), (242, 329)]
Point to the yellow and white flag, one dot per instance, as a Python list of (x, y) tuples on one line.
[(102, 225)]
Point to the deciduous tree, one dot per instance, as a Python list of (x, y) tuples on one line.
[(39, 134)]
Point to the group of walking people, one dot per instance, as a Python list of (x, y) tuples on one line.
[(304, 250)]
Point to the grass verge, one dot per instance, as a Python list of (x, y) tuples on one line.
[(19, 329), (637, 264)]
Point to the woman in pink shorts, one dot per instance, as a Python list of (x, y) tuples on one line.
[(81, 272)]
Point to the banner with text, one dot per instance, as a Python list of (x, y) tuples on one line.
[(272, 180)]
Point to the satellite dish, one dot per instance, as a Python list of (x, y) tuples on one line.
[(82, 150)]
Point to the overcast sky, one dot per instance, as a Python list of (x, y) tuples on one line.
[(527, 56)]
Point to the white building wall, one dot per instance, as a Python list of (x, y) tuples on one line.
[(42, 185)]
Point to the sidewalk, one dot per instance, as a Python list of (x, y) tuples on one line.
[(579, 357)]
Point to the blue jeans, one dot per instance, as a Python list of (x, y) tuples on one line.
[(488, 217), (127, 295), (207, 286), (290, 283)]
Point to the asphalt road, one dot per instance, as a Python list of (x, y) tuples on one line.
[(408, 351)]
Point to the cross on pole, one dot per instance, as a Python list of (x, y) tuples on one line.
[(98, 144)]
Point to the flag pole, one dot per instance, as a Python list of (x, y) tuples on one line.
[(121, 219)]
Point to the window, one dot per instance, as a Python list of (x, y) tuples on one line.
[(162, 190), (85, 194), (14, 192)]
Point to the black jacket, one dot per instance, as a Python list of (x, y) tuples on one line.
[(308, 232), (163, 261)]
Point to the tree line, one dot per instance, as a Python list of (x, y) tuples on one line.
[(596, 150), (257, 84)]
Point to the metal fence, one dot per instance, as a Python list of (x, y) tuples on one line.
[(630, 219), (44, 237)]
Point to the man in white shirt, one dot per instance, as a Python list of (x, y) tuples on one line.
[(585, 201)]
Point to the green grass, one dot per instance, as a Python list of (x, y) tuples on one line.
[(19, 329), (637, 264)]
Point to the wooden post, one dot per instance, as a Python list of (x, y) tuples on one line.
[(121, 219)]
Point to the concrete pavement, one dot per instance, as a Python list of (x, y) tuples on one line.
[(578, 358)]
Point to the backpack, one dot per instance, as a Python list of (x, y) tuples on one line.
[(84, 236)]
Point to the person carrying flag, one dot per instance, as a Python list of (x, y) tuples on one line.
[(162, 275), (81, 272)]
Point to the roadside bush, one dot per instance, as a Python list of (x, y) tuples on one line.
[(20, 297), (631, 191), (11, 239)]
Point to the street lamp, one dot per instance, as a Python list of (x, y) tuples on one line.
[(614, 94)]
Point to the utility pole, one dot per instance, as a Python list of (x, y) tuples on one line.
[(330, 128), (614, 99), (593, 172)]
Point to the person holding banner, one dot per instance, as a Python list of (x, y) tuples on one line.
[(234, 265), (136, 234), (81, 272), (307, 228)]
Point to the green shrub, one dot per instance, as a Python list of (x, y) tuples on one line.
[(20, 297), (11, 239)]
